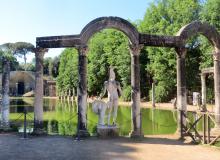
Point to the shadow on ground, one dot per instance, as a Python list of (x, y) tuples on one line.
[(12, 147)]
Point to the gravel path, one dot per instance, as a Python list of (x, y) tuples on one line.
[(12, 147)]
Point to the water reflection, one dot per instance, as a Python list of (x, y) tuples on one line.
[(60, 117)]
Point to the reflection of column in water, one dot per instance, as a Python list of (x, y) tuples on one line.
[(68, 104), (50, 104), (153, 120), (73, 106), (49, 127)]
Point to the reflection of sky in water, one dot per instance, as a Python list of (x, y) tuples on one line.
[(61, 117)]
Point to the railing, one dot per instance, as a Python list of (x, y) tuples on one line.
[(189, 128)]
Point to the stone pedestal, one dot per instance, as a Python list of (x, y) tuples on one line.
[(136, 134), (107, 131), (82, 133)]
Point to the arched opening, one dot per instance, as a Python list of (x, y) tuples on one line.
[(130, 31), (213, 36), (109, 22)]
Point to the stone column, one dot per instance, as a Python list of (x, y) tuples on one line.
[(181, 85), (181, 79), (5, 94), (203, 82), (135, 93), (82, 91), (38, 101), (216, 57)]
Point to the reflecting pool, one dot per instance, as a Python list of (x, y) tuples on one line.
[(60, 117)]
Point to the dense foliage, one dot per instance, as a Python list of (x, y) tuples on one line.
[(68, 72)]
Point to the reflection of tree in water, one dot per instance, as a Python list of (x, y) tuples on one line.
[(157, 121), (65, 121)]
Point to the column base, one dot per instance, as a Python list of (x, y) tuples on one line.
[(136, 134), (38, 129), (82, 134), (106, 131)]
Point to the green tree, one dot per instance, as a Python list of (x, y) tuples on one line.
[(166, 17), (210, 13), (68, 70), (48, 66), (22, 49), (51, 66), (108, 48)]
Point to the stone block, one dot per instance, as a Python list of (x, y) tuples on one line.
[(107, 131)]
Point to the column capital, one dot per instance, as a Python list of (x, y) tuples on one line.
[(181, 52), (39, 52), (82, 49), (135, 49), (216, 55)]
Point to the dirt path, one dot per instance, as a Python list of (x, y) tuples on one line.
[(65, 148)]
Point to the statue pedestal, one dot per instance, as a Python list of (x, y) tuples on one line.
[(107, 131)]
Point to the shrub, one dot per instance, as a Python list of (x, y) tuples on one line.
[(126, 93)]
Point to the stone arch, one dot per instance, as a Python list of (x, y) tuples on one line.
[(213, 36), (109, 22), (204, 29)]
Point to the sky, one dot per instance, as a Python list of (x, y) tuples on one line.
[(24, 20)]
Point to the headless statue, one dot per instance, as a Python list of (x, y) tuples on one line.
[(112, 88), (99, 107)]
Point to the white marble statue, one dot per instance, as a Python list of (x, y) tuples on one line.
[(112, 87)]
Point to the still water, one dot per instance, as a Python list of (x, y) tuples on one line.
[(60, 117)]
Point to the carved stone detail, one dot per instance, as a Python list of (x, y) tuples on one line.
[(135, 49), (82, 50), (39, 52), (216, 55), (181, 52)]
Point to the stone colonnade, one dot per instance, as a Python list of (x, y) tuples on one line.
[(137, 39), (82, 90)]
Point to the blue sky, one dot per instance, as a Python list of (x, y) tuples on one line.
[(24, 20)]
